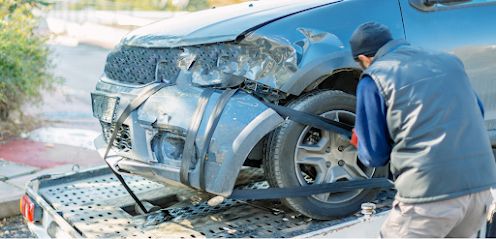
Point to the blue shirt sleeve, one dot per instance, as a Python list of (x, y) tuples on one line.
[(374, 143)]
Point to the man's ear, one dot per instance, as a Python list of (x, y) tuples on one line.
[(366, 61), (364, 58)]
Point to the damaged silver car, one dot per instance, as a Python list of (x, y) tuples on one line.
[(221, 65)]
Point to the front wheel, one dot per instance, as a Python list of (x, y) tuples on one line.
[(299, 155)]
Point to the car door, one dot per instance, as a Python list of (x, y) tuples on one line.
[(466, 28)]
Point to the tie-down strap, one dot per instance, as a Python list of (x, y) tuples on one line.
[(190, 151), (134, 104), (307, 190), (313, 120), (301, 117)]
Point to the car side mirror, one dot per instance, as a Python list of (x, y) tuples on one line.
[(429, 5)]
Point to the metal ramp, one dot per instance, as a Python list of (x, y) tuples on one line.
[(96, 205)]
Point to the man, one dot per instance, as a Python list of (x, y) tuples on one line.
[(417, 111)]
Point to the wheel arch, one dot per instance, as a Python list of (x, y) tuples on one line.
[(345, 79), (242, 145), (336, 70)]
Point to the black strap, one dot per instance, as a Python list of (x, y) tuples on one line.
[(189, 150), (270, 193), (304, 191), (316, 121), (274, 193), (135, 103), (212, 122)]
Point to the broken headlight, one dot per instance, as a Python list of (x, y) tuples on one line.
[(267, 61)]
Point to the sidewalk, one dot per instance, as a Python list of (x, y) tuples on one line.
[(24, 159)]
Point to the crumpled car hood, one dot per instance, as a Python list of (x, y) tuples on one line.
[(217, 25)]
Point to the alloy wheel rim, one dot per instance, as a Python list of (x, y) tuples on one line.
[(326, 157)]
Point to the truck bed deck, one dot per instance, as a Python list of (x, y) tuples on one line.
[(94, 204)]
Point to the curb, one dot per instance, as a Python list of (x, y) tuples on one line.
[(12, 189), (9, 205)]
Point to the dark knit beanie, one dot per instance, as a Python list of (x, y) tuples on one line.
[(368, 38)]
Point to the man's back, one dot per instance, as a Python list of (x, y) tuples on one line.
[(440, 145), (430, 119)]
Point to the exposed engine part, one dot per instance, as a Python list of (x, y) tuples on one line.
[(263, 91)]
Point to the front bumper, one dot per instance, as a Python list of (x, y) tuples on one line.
[(244, 122)]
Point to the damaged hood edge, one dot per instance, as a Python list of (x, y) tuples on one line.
[(217, 25)]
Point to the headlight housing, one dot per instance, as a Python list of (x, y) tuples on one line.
[(269, 61), (167, 147)]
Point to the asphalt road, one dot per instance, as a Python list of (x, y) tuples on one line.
[(14, 227)]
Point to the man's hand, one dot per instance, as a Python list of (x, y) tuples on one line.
[(354, 139)]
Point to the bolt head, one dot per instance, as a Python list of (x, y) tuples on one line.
[(341, 162)]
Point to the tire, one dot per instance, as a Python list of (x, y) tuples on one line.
[(287, 164)]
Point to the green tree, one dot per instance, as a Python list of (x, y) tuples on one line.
[(24, 63)]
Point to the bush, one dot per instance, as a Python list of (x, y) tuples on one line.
[(24, 63)]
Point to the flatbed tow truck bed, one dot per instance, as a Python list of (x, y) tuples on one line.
[(93, 203)]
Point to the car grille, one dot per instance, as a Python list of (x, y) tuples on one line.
[(123, 138), (137, 65)]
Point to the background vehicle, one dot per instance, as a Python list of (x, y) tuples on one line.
[(292, 53)]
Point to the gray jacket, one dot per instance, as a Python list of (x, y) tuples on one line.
[(441, 149)]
